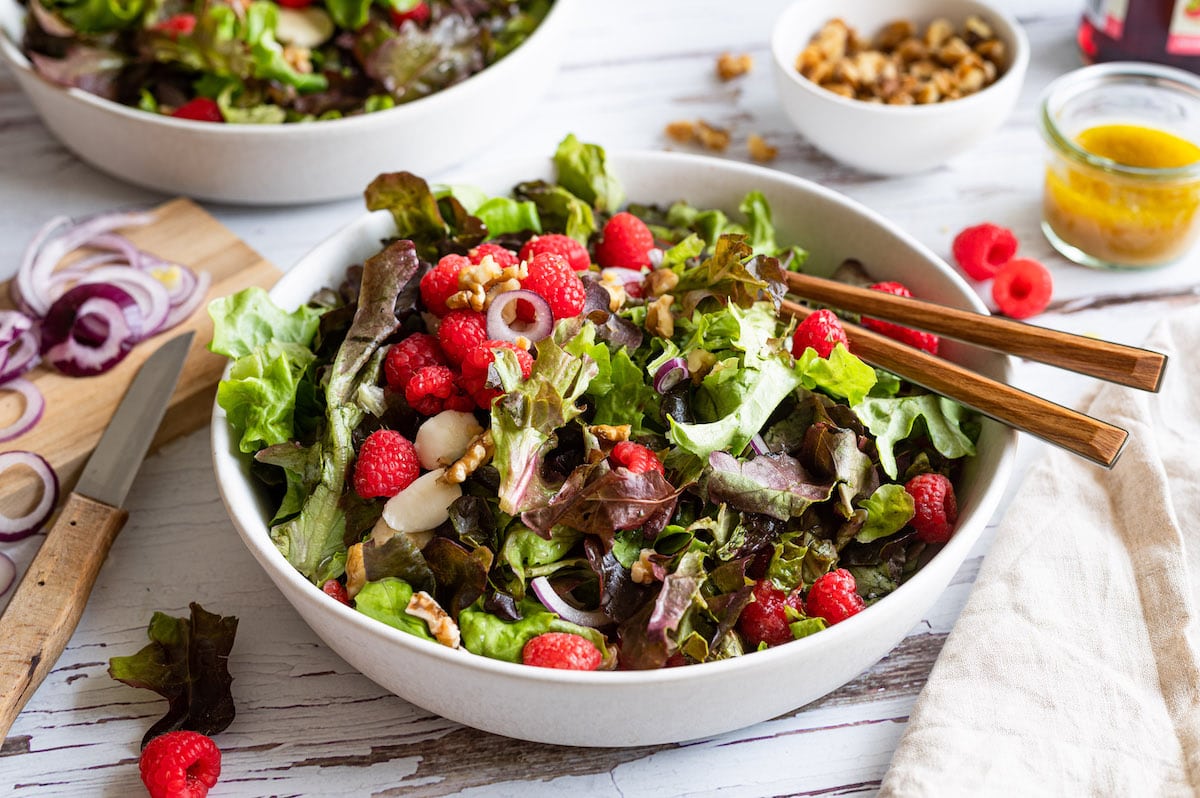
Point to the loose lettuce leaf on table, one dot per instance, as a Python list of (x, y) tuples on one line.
[(187, 663)]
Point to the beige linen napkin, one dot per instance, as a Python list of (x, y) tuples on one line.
[(1074, 669)]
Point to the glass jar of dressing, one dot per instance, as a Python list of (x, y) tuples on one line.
[(1122, 187)]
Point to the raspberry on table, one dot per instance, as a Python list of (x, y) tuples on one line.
[(981, 250), (822, 330), (552, 278), (180, 764), (502, 256), (387, 464), (1022, 288), (635, 457), (201, 109), (475, 370), (905, 335), (562, 650), (441, 282), (406, 357), (336, 591), (626, 242), (575, 253), (765, 620), (460, 332), (434, 389), (834, 597), (936, 507)]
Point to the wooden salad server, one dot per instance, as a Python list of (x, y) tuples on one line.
[(47, 605)]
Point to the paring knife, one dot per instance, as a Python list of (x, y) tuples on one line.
[(45, 609)]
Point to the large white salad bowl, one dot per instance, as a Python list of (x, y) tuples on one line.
[(289, 164), (626, 708)]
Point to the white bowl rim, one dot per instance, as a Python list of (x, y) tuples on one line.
[(11, 53), (785, 64), (260, 545)]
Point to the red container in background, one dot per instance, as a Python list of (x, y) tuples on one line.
[(1162, 31)]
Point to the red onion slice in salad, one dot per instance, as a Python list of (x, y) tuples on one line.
[(622, 275), (559, 606), (35, 405), (90, 329), (8, 573), (17, 528), (502, 322), (670, 374), (759, 445), (19, 356)]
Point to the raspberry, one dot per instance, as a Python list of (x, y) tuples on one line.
[(180, 25), (558, 244), (387, 464), (562, 650), (936, 507), (460, 332), (475, 370), (418, 14), (905, 335), (295, 3), (336, 590), (765, 620), (405, 358), (1022, 288), (180, 764), (441, 282), (834, 597), (434, 389), (635, 457), (552, 278), (821, 330), (200, 109), (981, 250), (626, 242), (502, 256)]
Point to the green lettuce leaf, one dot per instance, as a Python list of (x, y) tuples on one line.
[(503, 215), (892, 420), (187, 663), (259, 396), (248, 320), (97, 16), (841, 374), (582, 170), (348, 14), (559, 209), (387, 601), (528, 553), (807, 626), (489, 636), (889, 509)]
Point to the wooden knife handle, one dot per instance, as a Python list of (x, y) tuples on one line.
[(45, 609)]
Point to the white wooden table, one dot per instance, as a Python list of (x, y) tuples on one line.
[(307, 724)]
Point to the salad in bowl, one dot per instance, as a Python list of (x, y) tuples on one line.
[(549, 427)]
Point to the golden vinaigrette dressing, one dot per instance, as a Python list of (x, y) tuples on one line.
[(1122, 219)]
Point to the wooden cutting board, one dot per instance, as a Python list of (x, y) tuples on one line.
[(78, 409)]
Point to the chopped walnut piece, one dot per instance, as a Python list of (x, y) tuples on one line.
[(662, 281), (441, 625), (659, 320), (730, 66), (760, 150), (478, 453), (681, 131), (609, 432), (642, 571), (712, 137)]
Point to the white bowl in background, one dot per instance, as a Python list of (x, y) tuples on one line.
[(287, 164), (892, 139), (626, 708)]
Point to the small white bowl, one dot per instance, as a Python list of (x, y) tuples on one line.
[(289, 164), (627, 708), (892, 139)]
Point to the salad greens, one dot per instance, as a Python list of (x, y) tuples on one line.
[(268, 62), (776, 467)]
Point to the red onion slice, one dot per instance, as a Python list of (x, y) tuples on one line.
[(20, 356), (35, 405), (148, 294), (559, 606), (188, 305), (502, 323), (12, 324), (8, 573), (759, 445), (90, 329), (670, 374), (17, 528)]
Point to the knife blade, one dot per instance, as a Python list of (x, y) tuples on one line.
[(49, 601)]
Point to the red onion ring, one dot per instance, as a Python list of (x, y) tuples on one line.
[(8, 573), (35, 405), (12, 324), (501, 329), (670, 374), (90, 329), (193, 300), (17, 528), (148, 294), (559, 606), (20, 356), (759, 445)]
